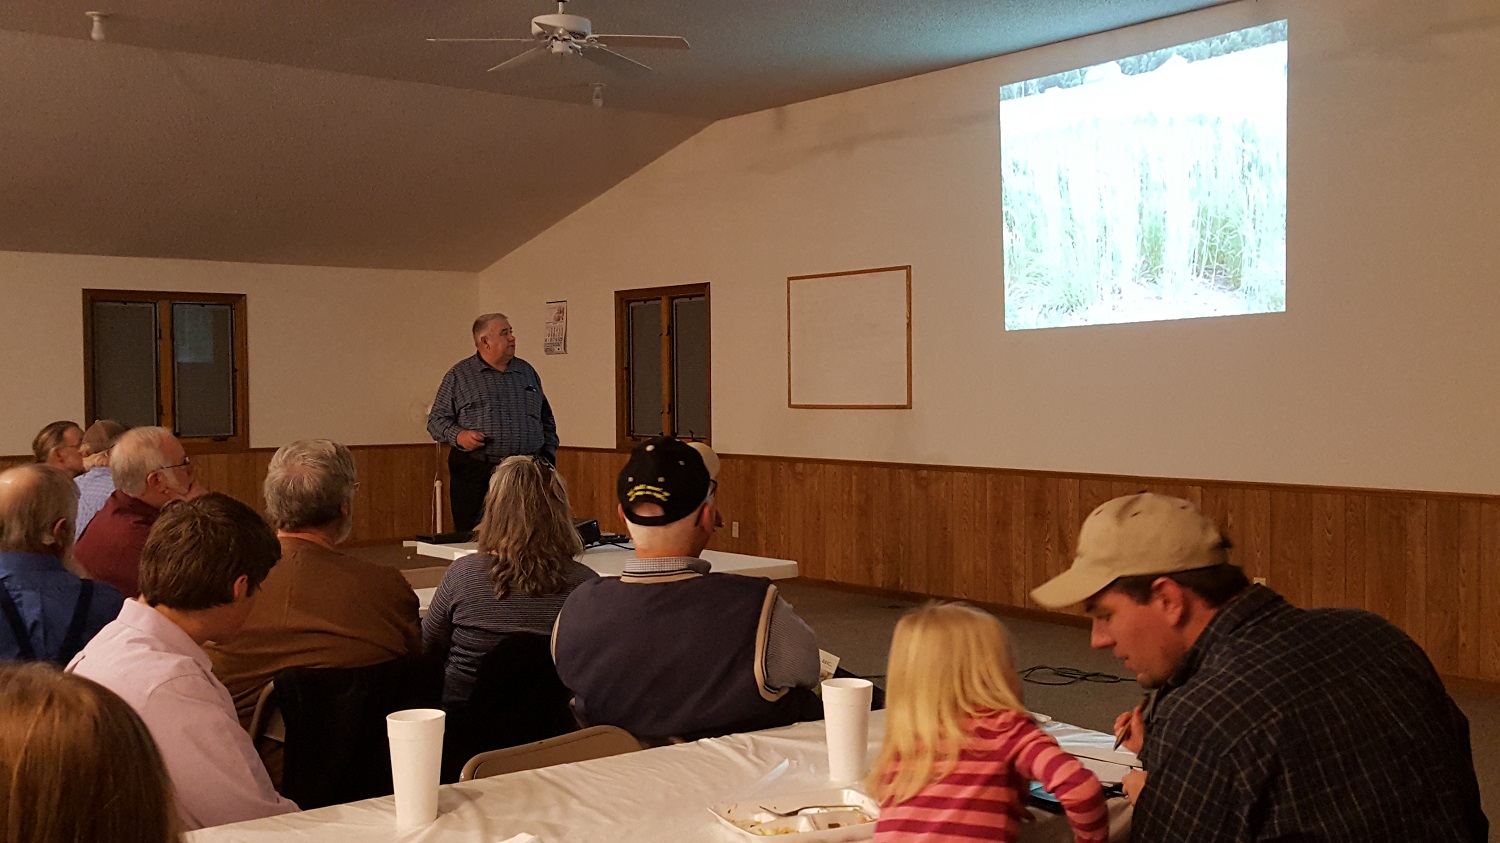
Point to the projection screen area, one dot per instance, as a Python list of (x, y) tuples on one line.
[(1148, 188)]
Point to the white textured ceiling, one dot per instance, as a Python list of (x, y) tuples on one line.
[(330, 132)]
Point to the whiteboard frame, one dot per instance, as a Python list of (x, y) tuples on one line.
[(791, 316)]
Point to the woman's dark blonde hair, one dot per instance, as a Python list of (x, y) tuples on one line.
[(527, 528), (77, 763)]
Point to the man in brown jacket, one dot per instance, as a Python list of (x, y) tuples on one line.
[(318, 607)]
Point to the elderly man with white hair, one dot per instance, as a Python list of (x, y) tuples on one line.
[(49, 613), (151, 470), (319, 607)]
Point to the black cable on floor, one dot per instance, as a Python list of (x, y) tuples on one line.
[(1058, 676)]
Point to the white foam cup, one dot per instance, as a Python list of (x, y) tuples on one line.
[(416, 737), (846, 715)]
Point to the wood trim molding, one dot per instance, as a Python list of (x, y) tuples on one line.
[(1080, 475), (1112, 478), (394, 501), (1427, 561)]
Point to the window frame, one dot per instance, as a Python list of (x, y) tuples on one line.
[(166, 409), (623, 299)]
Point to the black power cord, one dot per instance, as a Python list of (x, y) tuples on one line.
[(1058, 676)]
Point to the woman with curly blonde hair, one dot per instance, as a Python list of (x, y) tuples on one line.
[(960, 749), (524, 568), (76, 763)]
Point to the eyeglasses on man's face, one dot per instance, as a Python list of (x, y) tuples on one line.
[(186, 463)]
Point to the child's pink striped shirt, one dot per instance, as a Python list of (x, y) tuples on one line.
[(984, 798)]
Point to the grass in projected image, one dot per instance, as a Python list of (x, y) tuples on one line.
[(1148, 188)]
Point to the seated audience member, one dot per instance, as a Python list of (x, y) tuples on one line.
[(150, 470), (517, 581), (960, 747), (57, 445), (96, 483), (48, 612), (318, 607), (1269, 722), (200, 570), (77, 764), (670, 649)]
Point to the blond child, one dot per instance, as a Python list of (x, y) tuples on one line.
[(960, 749)]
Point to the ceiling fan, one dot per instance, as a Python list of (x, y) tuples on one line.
[(565, 34)]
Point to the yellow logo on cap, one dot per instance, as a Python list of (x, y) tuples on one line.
[(642, 490)]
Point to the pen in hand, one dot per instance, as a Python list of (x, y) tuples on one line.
[(1123, 729)]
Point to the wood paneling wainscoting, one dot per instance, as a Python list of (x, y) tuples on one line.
[(1429, 562), (394, 501)]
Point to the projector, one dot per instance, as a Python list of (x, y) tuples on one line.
[(588, 531)]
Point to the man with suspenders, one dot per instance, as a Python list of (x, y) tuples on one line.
[(46, 612)]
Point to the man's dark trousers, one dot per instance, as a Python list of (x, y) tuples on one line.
[(468, 481)]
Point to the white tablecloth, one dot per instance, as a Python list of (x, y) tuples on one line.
[(609, 560), (653, 796)]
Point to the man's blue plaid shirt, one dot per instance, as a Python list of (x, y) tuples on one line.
[(507, 407)]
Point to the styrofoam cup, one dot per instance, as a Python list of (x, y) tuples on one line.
[(416, 737), (846, 715)]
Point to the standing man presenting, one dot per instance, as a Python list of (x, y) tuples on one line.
[(489, 407)]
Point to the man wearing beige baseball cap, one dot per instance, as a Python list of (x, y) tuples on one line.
[(1269, 722)]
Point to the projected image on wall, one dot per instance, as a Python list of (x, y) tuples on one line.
[(1149, 188)]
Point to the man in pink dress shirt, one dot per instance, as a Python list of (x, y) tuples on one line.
[(200, 569)]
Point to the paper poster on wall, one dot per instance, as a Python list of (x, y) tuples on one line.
[(849, 339), (555, 332)]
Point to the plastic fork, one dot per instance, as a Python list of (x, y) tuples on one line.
[(794, 812)]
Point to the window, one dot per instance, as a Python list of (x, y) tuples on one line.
[(662, 356), (170, 359), (1153, 187)]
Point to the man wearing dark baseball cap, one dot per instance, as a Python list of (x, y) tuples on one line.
[(1269, 722), (669, 649)]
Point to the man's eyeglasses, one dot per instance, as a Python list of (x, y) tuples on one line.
[(713, 488), (186, 463)]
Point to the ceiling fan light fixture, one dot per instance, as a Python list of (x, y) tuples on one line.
[(561, 26), (96, 32), (562, 34)]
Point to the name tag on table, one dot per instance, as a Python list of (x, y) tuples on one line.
[(827, 664)]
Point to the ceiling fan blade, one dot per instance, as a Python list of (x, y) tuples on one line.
[(655, 42), (482, 40), (521, 59), (613, 60)]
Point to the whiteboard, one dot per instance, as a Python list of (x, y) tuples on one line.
[(849, 339)]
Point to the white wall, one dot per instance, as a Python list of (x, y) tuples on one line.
[(1382, 372), (350, 354)]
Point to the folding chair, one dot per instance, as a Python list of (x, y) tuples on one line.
[(593, 742)]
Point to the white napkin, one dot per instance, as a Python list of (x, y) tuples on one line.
[(522, 838)]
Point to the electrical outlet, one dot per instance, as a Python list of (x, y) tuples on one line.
[(1259, 581), (734, 529)]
